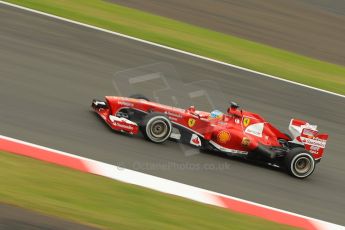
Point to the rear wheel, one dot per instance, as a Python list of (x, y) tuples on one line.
[(139, 96), (156, 127), (299, 163)]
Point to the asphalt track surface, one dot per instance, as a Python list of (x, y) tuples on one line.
[(15, 218), (312, 28), (50, 70)]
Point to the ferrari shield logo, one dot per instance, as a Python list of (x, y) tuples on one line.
[(246, 121), (191, 122)]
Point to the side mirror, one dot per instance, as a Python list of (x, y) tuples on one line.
[(233, 109), (234, 105), (190, 109)]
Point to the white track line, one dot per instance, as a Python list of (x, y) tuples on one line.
[(169, 48)]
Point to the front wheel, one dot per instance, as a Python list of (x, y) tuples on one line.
[(299, 163), (156, 127)]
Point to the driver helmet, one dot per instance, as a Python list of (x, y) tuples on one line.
[(216, 114)]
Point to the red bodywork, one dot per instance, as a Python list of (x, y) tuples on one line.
[(236, 131)]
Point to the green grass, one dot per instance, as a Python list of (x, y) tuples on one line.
[(197, 40), (106, 203)]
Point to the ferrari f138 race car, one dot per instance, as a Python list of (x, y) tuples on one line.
[(235, 133)]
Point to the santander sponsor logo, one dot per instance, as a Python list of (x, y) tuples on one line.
[(314, 142), (195, 140), (255, 129)]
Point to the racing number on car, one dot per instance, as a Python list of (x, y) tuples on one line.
[(191, 122), (246, 121)]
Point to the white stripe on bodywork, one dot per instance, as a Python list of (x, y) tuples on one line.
[(227, 150)]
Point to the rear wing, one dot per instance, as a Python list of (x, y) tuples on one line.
[(307, 135)]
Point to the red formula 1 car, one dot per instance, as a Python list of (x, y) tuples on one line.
[(236, 132)]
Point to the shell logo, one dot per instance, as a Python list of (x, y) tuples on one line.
[(223, 137)]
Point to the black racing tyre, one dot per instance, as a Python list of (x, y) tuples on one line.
[(299, 163), (139, 96), (156, 127)]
